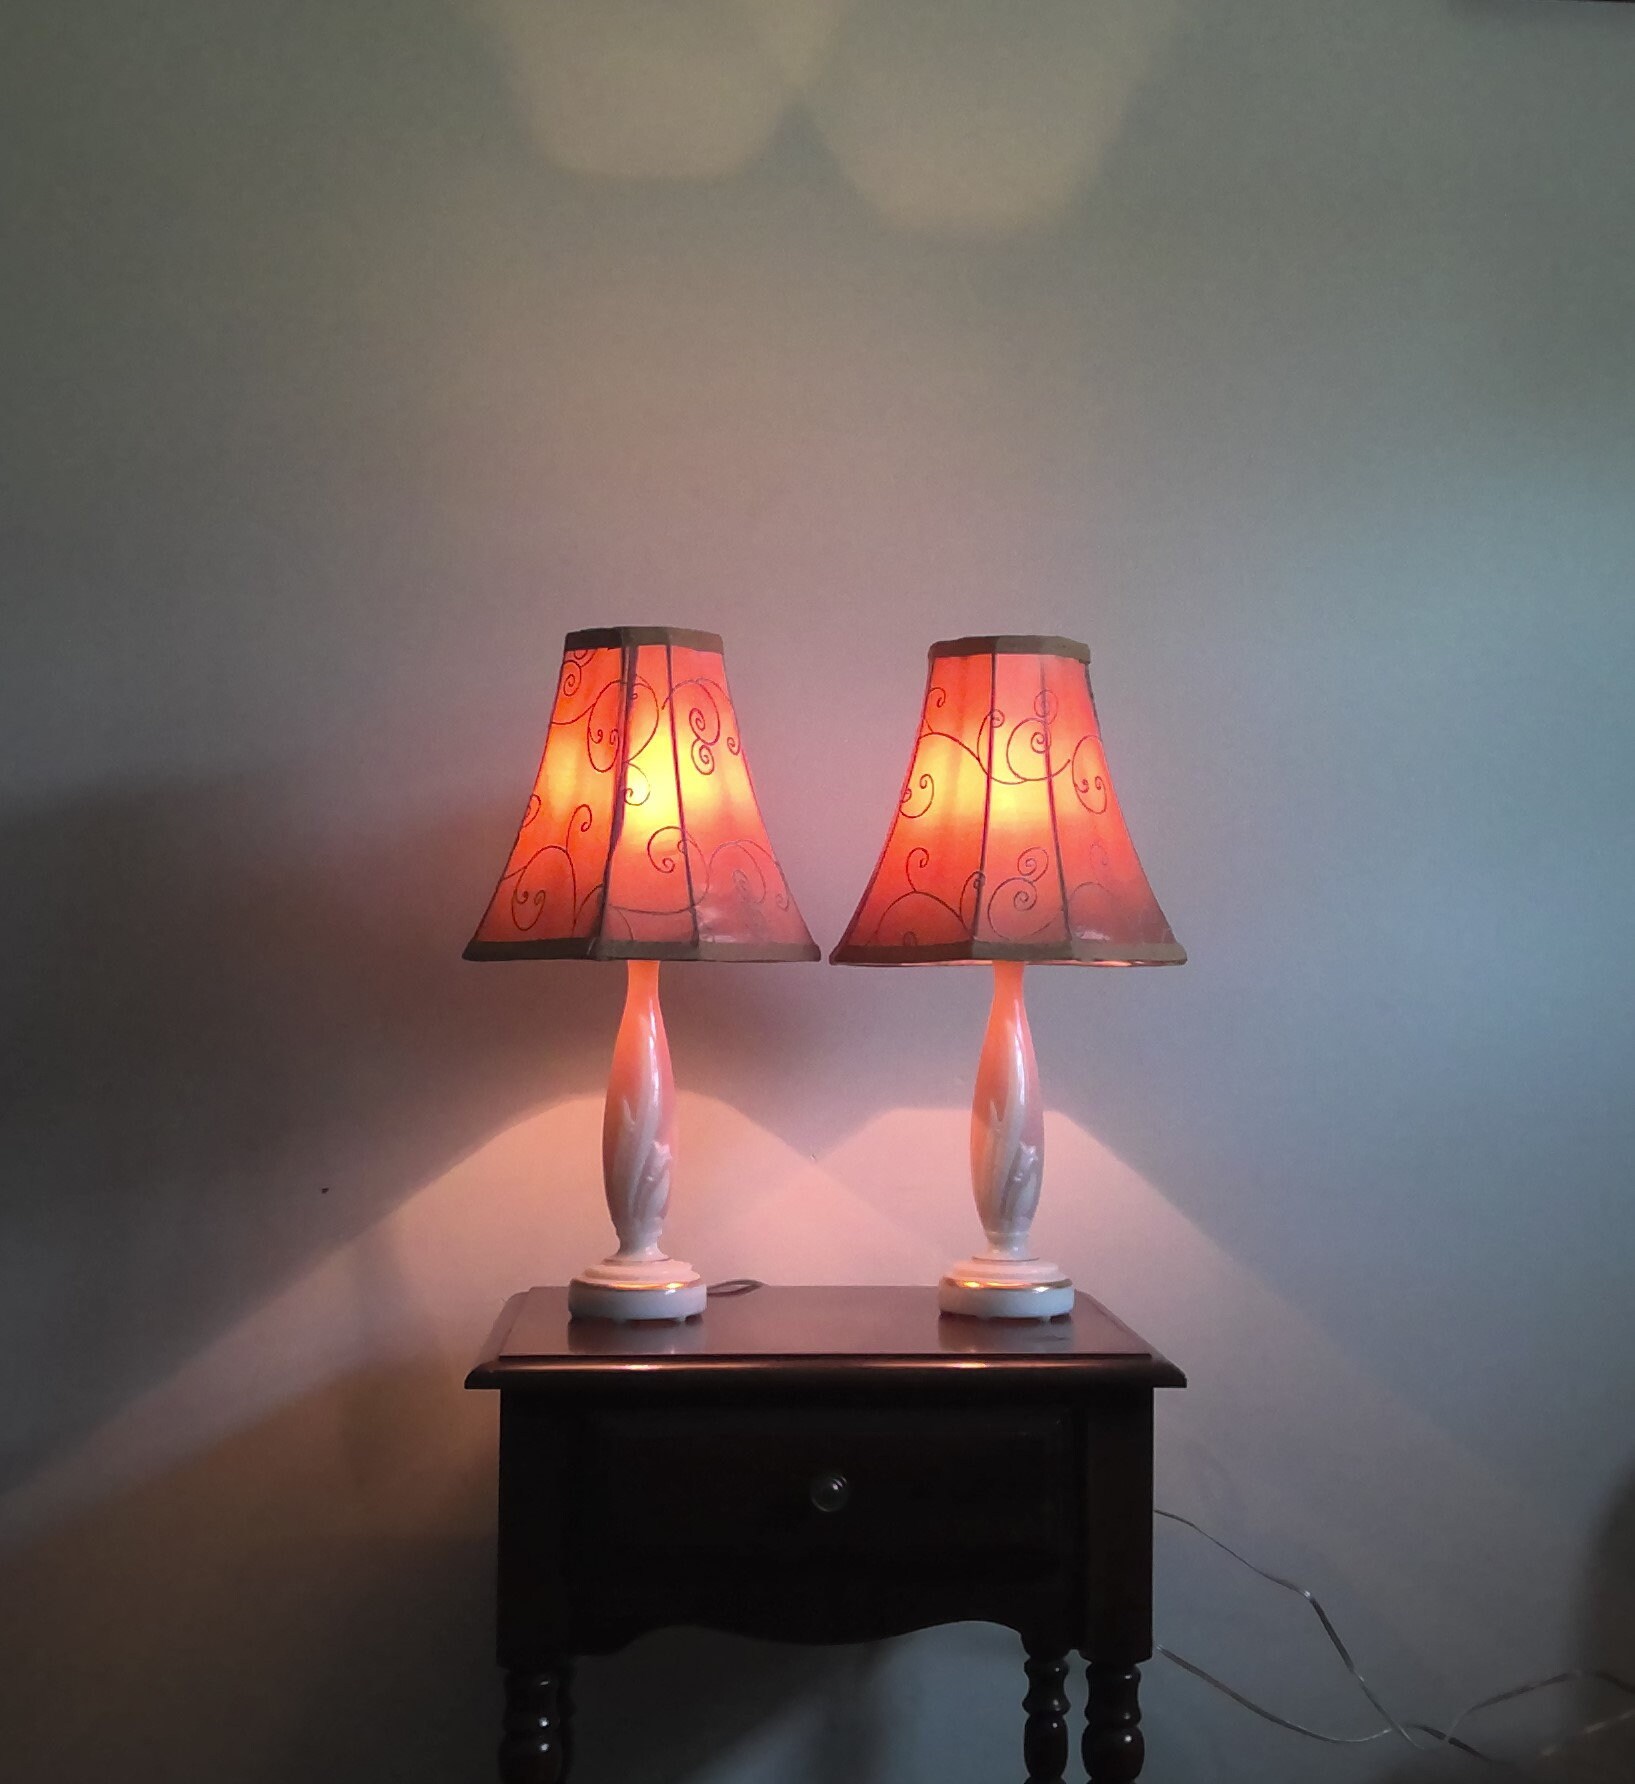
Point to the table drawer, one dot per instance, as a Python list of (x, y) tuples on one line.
[(910, 1485)]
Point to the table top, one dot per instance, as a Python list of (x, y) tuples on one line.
[(836, 1337)]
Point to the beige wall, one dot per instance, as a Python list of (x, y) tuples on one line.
[(1282, 349)]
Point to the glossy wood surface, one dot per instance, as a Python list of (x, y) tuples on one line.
[(837, 1337)]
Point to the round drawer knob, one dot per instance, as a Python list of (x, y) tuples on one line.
[(829, 1492)]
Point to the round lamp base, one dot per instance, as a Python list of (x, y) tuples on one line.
[(1005, 1288), (658, 1288)]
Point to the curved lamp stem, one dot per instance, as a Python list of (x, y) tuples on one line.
[(638, 1152), (1006, 1281), (1007, 1121), (639, 1120)]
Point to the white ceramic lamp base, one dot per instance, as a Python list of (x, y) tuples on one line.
[(638, 1151), (995, 1288), (663, 1289), (1007, 1168)]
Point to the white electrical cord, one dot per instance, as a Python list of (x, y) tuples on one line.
[(1433, 1738)]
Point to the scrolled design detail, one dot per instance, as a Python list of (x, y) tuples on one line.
[(619, 721), (645, 710), (604, 727), (573, 674), (923, 905), (1033, 733), (1009, 752), (670, 849), (1033, 864), (741, 864), (1089, 776), (553, 864), (707, 702), (706, 730), (913, 787), (751, 871), (1017, 894)]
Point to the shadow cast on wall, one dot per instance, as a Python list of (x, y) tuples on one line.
[(312, 1599), (1609, 1640), (1582, 1733), (230, 1044)]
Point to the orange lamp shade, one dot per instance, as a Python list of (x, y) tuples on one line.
[(641, 839), (1008, 843)]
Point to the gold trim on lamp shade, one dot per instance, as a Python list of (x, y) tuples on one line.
[(608, 948), (1011, 644), (1047, 954)]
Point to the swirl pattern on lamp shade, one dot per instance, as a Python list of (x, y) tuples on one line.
[(642, 838), (1008, 842)]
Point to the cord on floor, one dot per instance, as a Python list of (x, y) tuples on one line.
[(1418, 1735)]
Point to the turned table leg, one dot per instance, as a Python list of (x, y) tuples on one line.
[(533, 1749), (1044, 1745), (1113, 1744)]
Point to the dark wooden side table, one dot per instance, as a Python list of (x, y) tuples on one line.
[(825, 1465)]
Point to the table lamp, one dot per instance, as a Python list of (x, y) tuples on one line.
[(1008, 845), (641, 842)]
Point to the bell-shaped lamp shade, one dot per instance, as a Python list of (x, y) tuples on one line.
[(1008, 842), (641, 839)]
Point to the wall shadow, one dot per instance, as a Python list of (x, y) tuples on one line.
[(312, 1598), (1551, 1721), (229, 1043), (307, 1598), (1609, 1643)]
